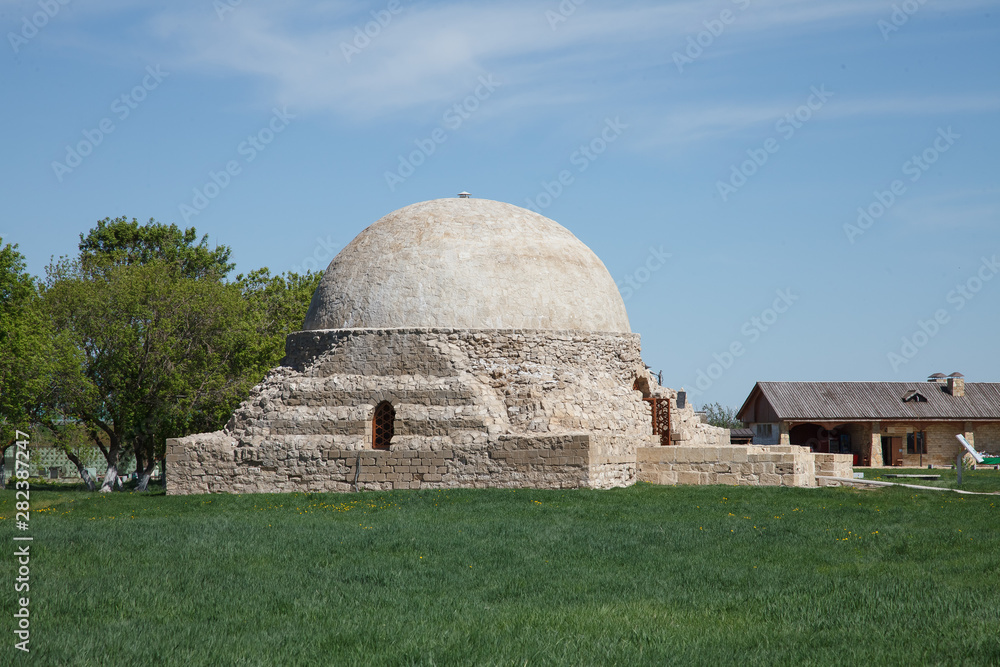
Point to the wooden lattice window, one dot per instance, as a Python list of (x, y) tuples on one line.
[(660, 408), (382, 425)]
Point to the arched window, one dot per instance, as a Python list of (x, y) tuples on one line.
[(382, 421)]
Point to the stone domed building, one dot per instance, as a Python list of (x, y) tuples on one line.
[(455, 342)]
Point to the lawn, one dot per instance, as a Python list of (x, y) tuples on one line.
[(643, 575), (980, 481)]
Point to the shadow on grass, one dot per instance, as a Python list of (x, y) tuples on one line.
[(154, 488)]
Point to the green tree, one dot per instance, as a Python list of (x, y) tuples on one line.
[(277, 305), (121, 242), (166, 346), (154, 346), (28, 362), (722, 415)]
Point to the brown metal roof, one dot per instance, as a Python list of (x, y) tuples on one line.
[(879, 401)]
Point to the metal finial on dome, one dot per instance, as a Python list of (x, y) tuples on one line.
[(464, 195)]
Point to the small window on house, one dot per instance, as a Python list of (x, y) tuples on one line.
[(765, 430), (916, 443), (382, 425), (914, 396)]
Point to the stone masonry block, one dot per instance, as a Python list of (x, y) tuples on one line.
[(688, 477)]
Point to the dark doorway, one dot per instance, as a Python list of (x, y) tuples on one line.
[(890, 450), (382, 425), (813, 436)]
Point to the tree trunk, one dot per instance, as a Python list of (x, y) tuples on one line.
[(84, 475), (3, 465), (111, 476), (145, 475)]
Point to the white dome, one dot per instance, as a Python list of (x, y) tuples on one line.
[(467, 264)]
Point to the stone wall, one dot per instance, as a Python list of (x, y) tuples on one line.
[(834, 465), (688, 429), (495, 381), (687, 426), (988, 437), (218, 465), (941, 444), (466, 394), (739, 465)]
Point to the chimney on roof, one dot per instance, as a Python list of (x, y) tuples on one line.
[(938, 378), (956, 384)]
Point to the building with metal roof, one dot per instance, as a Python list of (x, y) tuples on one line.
[(880, 423)]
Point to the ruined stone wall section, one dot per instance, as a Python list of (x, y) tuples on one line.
[(613, 459), (213, 463), (455, 387), (459, 396), (834, 465), (735, 465), (686, 425)]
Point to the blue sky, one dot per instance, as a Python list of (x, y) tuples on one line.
[(739, 137)]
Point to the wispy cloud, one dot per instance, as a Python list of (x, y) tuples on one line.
[(429, 53), (698, 123)]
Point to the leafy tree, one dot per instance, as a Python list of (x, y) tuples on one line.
[(120, 242), (152, 342), (277, 306), (70, 438), (165, 345), (722, 415), (27, 359)]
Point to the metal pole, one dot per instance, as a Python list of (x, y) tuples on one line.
[(958, 467)]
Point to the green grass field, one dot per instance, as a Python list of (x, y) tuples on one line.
[(644, 575), (981, 481)]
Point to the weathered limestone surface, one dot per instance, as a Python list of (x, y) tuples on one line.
[(473, 408), (688, 429), (739, 465), (834, 465), (558, 461), (467, 264)]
